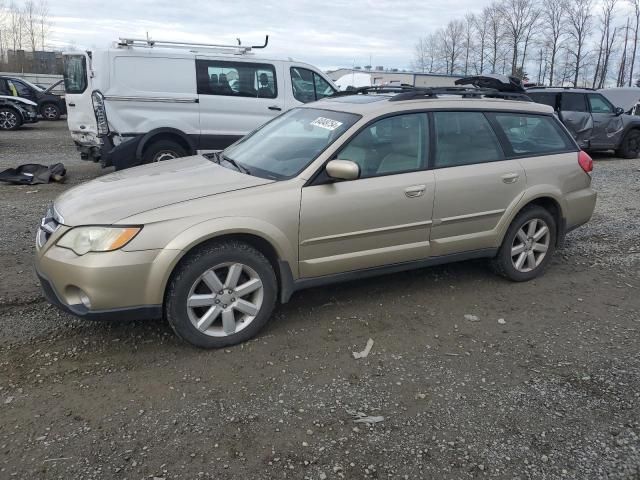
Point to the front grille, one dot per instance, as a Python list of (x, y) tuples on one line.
[(48, 225)]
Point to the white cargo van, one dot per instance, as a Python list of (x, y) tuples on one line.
[(144, 101)]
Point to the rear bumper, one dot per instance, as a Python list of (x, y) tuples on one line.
[(579, 207)]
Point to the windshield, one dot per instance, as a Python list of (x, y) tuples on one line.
[(75, 73), (288, 144)]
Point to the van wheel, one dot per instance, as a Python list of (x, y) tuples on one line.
[(9, 119), (221, 295), (49, 111), (528, 246), (163, 150), (630, 145)]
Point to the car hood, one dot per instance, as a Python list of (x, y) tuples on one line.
[(18, 100), (119, 195)]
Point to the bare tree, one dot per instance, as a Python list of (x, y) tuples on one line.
[(420, 56), (481, 23), (519, 16), (607, 38), (553, 16), (623, 61), (43, 22), (451, 38), (636, 14), (496, 33), (469, 22), (31, 23), (425, 58), (580, 24), (16, 26)]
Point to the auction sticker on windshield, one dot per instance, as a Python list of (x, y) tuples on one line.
[(326, 123)]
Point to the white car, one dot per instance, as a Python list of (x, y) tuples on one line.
[(144, 101)]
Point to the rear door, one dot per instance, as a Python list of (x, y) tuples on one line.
[(607, 126), (475, 183), (77, 88), (575, 115), (236, 97)]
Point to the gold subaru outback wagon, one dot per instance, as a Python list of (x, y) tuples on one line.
[(343, 188)]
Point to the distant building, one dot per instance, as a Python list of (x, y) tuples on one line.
[(381, 77)]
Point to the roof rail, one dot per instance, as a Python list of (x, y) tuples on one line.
[(149, 43), (406, 92), (543, 87)]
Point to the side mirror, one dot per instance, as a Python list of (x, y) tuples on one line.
[(343, 170), (618, 111)]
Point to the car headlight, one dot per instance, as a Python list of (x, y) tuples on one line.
[(97, 239)]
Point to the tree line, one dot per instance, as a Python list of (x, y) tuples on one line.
[(24, 26), (549, 42)]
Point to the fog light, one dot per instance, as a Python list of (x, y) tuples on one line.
[(84, 299)]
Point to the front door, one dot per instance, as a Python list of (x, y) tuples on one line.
[(475, 184), (382, 218), (607, 126), (235, 98)]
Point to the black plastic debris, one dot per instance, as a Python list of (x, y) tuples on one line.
[(34, 174)]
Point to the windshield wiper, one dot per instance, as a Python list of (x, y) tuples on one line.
[(239, 166)]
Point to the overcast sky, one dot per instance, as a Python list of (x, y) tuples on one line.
[(327, 34)]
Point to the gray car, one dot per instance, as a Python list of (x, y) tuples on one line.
[(594, 121)]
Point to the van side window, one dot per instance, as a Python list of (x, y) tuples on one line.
[(573, 102), (308, 86), (236, 79), (464, 138), (530, 134)]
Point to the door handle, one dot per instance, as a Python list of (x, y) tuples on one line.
[(510, 177), (274, 107), (72, 104), (415, 191)]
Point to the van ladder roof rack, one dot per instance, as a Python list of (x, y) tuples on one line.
[(148, 43)]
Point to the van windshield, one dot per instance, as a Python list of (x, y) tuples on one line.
[(75, 73), (285, 146)]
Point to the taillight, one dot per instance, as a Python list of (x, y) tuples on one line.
[(100, 112), (585, 161)]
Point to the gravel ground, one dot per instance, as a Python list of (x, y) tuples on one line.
[(544, 384)]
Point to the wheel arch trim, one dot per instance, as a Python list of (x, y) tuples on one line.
[(149, 137)]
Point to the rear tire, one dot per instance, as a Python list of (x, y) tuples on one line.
[(528, 245), (630, 145), (221, 295), (163, 150), (9, 119), (50, 111)]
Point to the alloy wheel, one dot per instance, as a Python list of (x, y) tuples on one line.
[(50, 112), (8, 120), (165, 155), (530, 245), (223, 307)]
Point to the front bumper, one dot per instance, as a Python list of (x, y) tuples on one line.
[(107, 285)]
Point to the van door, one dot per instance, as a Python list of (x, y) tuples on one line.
[(575, 115), (77, 88), (236, 97), (305, 85)]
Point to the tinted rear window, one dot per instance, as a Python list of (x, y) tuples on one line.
[(545, 98), (530, 134), (574, 102)]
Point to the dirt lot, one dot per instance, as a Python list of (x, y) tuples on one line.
[(546, 384)]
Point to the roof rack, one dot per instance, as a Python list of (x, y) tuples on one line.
[(149, 43), (406, 92), (542, 87)]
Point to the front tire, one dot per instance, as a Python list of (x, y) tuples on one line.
[(221, 295), (9, 119), (49, 111), (162, 150), (630, 145), (528, 245)]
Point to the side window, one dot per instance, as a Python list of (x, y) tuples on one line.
[(464, 138), (532, 134), (236, 79), (308, 86), (573, 102), (599, 104), (544, 98), (21, 88), (323, 89), (390, 145)]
